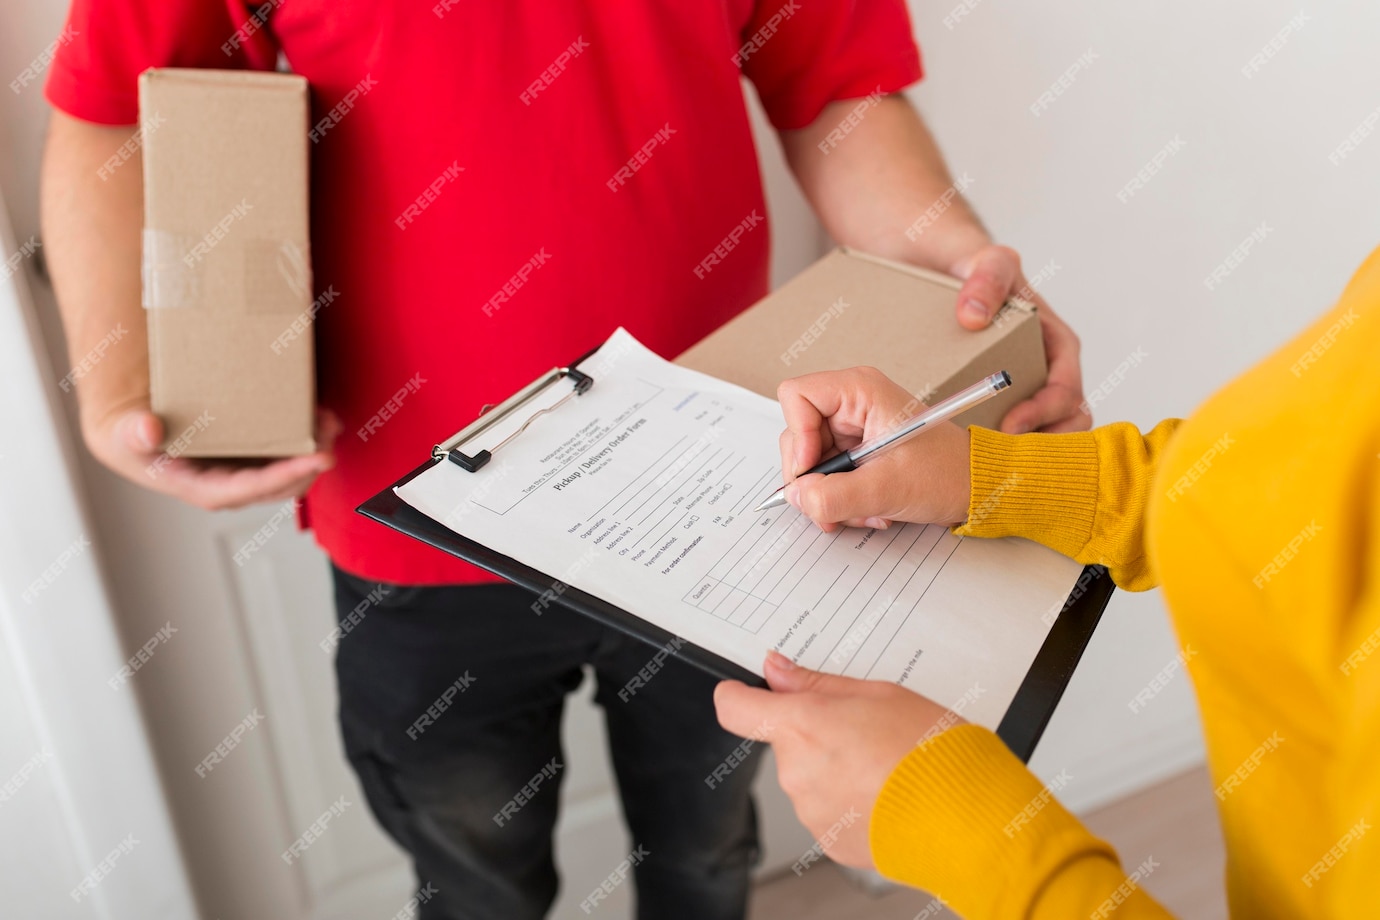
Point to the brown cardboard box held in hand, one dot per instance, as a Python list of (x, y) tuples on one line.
[(227, 268), (851, 308)]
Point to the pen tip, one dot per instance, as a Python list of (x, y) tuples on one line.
[(760, 507)]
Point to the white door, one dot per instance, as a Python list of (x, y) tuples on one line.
[(238, 695)]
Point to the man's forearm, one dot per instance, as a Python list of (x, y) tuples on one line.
[(92, 203), (877, 180)]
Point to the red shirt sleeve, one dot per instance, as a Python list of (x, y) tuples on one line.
[(803, 54), (106, 44)]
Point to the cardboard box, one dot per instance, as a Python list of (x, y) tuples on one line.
[(851, 308), (227, 276)]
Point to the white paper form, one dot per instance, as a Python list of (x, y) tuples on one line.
[(641, 491)]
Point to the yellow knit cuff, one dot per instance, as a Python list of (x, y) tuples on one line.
[(962, 818), (1039, 486)]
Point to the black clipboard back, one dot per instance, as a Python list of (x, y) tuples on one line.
[(1020, 728)]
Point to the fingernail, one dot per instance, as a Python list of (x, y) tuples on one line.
[(793, 495), (878, 523), (1022, 429), (781, 661), (141, 436), (975, 309)]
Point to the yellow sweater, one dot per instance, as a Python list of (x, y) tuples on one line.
[(1260, 517)]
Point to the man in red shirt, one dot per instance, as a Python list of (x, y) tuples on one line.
[(596, 157)]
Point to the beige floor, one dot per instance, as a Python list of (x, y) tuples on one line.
[(1174, 822)]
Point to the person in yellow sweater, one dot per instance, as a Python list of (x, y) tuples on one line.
[(1259, 517)]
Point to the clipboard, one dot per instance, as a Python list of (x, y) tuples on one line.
[(1021, 726)]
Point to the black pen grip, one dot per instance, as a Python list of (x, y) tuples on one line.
[(839, 463)]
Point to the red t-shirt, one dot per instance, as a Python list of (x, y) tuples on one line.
[(481, 209)]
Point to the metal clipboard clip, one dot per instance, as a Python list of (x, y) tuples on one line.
[(491, 416)]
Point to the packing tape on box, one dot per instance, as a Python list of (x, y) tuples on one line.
[(171, 274), (276, 273)]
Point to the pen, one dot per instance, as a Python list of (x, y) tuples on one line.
[(850, 460)]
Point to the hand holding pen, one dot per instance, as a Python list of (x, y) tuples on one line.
[(897, 473)]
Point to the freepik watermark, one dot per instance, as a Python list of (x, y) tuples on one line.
[(528, 792), (302, 322), (1335, 854), (17, 258), (438, 708), (940, 206), (960, 13), (548, 76), (142, 657), (1349, 145), (517, 282), (103, 868), (547, 597), (934, 908), (993, 501), (1273, 46), (1324, 343), (1361, 653), (351, 620), (22, 776), (738, 756), (253, 24), (315, 830), (769, 28), (641, 158), (615, 878), (217, 233), (814, 331), (178, 445), (126, 151), (1238, 255), (1286, 554), (1161, 680), (1127, 888), (1200, 466), (93, 357), (728, 244), (229, 742), (492, 476), (286, 511), (1151, 169), (391, 407), (1037, 804), (1113, 380), (851, 121), (1090, 574), (650, 669), (827, 839), (955, 713), (861, 631), (39, 64), (427, 891), (429, 195), (1026, 292), (1247, 767), (342, 108), (59, 565), (1063, 83)]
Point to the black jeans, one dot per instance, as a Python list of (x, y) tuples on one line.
[(450, 708)]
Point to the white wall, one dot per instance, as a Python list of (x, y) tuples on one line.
[(1131, 275)]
